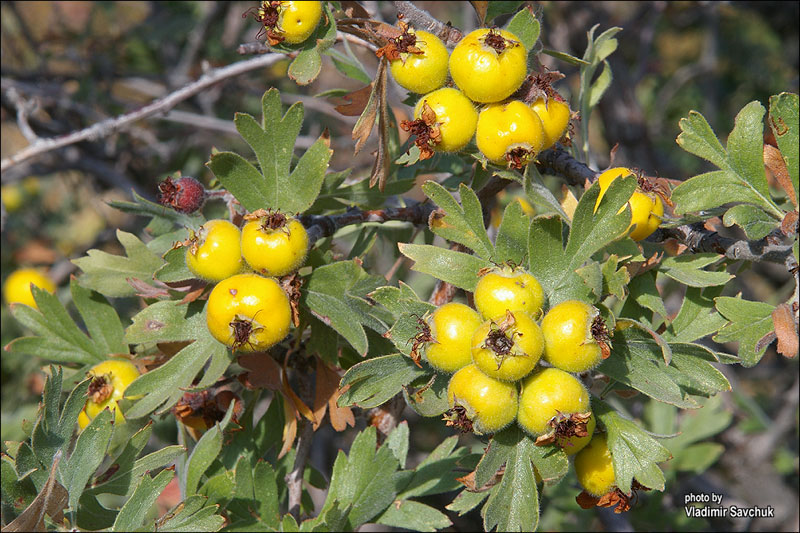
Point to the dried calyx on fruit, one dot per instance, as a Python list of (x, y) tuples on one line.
[(185, 195), (445, 121)]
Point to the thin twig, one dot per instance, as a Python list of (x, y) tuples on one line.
[(325, 226), (294, 479), (698, 239), (162, 105), (561, 162), (422, 20)]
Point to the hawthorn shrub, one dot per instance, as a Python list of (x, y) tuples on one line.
[(350, 349)]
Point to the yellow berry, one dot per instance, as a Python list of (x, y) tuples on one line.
[(422, 72), (109, 381), (549, 393), (569, 343), (452, 326), (216, 252), (455, 118), (555, 119), (274, 246), (594, 467), (489, 65), (506, 288), (509, 132), (17, 287), (490, 404), (248, 312), (507, 349)]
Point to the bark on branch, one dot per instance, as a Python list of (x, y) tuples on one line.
[(162, 105)]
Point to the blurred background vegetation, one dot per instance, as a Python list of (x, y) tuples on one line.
[(76, 63)]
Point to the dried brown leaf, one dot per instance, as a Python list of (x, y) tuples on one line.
[(773, 159), (51, 501), (354, 103), (264, 371), (786, 330)]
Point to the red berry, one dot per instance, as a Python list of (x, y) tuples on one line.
[(185, 195)]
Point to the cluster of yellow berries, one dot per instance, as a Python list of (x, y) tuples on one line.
[(493, 352), (248, 309), (487, 67)]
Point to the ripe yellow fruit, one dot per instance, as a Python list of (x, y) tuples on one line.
[(509, 132), (17, 287), (456, 118), (248, 312), (647, 209), (452, 326), (594, 467), (555, 119), (569, 343), (489, 65), (216, 253), (549, 393), (109, 381), (298, 20), (506, 288), (274, 246), (424, 72), (507, 352), (490, 404)]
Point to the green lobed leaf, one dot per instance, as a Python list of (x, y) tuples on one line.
[(511, 243), (600, 85), (204, 453), (754, 221), (108, 274), (58, 337), (133, 513), (540, 196), (494, 9), (635, 453), (514, 504), (415, 516), (616, 279), (400, 300), (358, 482), (697, 316), (466, 501), (175, 268), (783, 120), (168, 321), (746, 147), (689, 270), (525, 26), (374, 381), (307, 65), (437, 473), (698, 138), (241, 178), (702, 192), (191, 516), (637, 360), (593, 230), (456, 268), (164, 386), (644, 291), (461, 223), (397, 441), (101, 319), (89, 452), (428, 398), (748, 323), (335, 294), (741, 177)]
